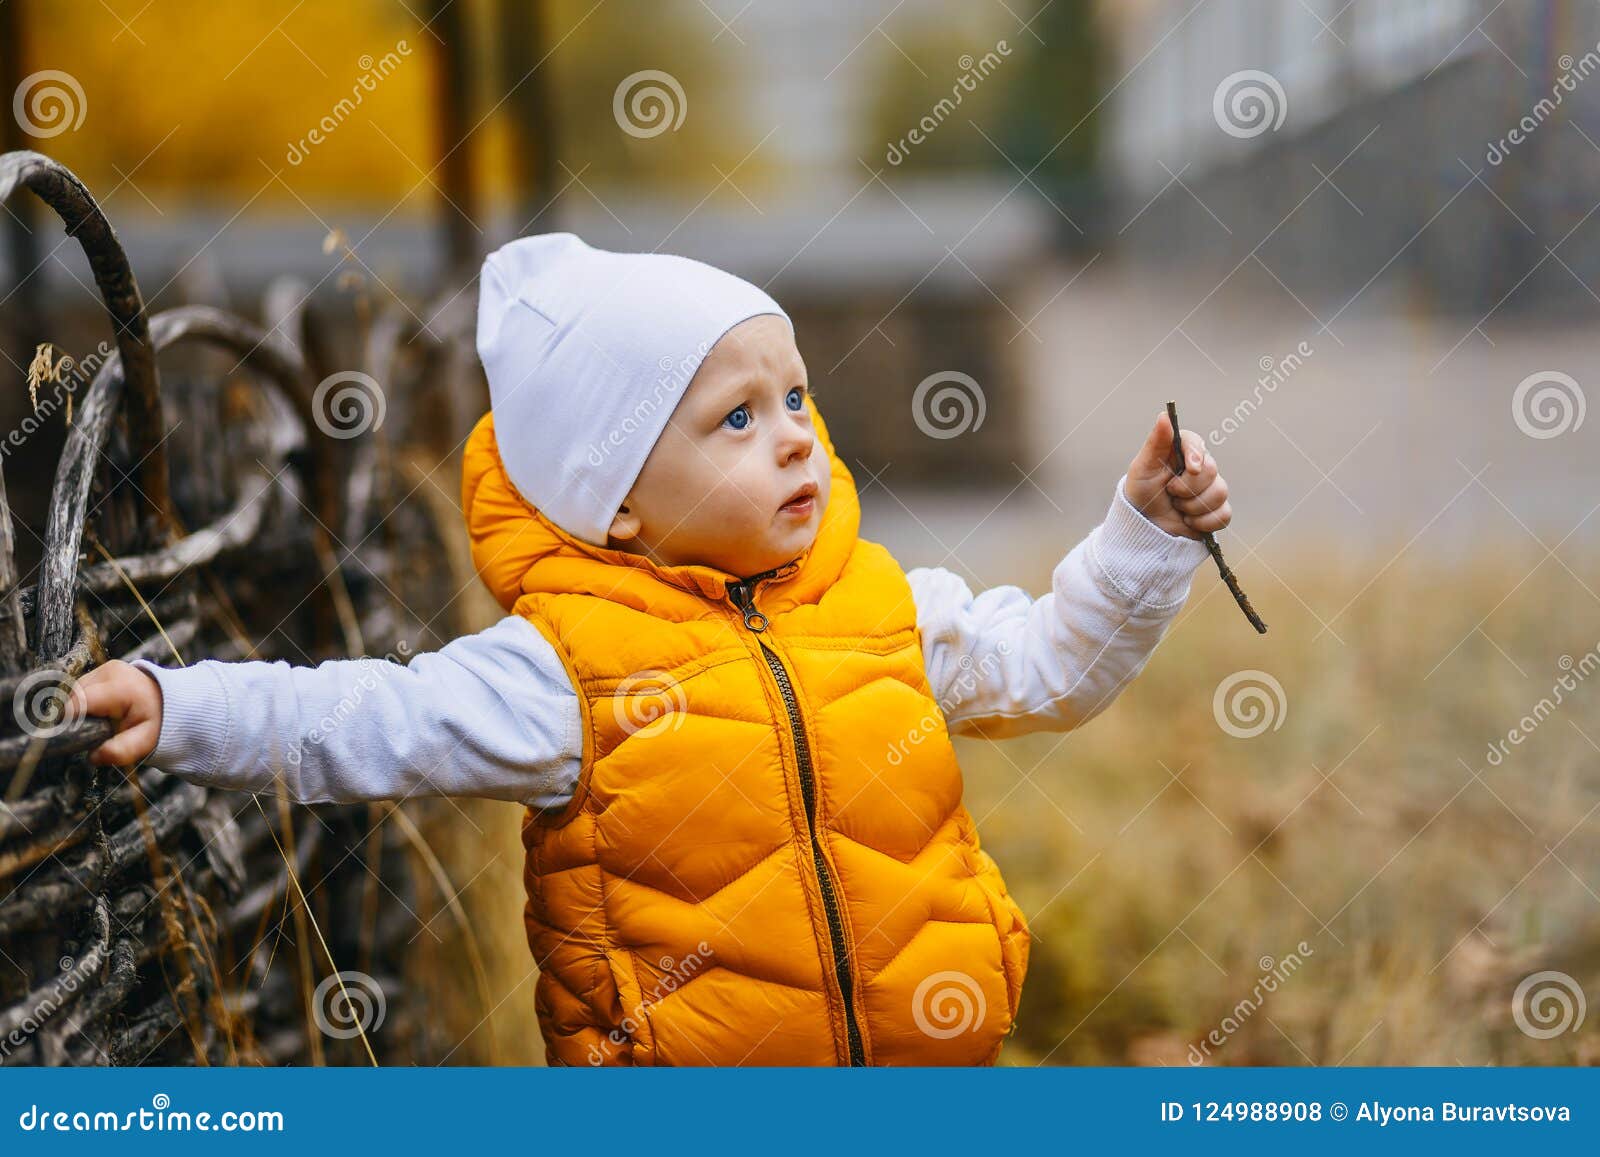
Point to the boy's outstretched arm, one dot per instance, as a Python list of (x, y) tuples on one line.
[(491, 715), (1003, 663)]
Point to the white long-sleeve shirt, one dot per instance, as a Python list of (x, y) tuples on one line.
[(494, 714)]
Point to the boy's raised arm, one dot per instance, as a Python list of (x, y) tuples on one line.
[(1003, 663), (491, 714)]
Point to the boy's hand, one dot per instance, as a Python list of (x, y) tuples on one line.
[(1191, 505), (126, 695)]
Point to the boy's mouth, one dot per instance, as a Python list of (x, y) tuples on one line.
[(801, 502)]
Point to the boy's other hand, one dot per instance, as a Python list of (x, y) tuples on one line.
[(132, 700), (1189, 505)]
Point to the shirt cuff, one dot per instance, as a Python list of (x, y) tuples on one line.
[(195, 720), (1141, 561)]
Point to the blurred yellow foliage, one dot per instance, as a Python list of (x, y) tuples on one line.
[(195, 99), (188, 100)]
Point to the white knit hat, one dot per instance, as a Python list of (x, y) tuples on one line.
[(587, 354)]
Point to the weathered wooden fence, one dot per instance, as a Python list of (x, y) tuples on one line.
[(144, 919)]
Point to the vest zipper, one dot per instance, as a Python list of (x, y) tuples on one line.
[(742, 595)]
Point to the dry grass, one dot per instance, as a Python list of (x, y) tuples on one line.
[(473, 967), (1424, 895), (473, 1023)]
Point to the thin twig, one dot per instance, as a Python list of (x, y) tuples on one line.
[(1209, 538)]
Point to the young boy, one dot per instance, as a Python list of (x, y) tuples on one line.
[(727, 714)]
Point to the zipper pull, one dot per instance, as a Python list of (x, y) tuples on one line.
[(741, 596)]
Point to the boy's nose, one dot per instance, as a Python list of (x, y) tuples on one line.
[(796, 444)]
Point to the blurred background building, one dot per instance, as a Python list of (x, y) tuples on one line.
[(1409, 104)]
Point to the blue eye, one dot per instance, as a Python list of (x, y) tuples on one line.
[(796, 399), (738, 419)]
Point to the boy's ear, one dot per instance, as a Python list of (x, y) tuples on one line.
[(624, 525)]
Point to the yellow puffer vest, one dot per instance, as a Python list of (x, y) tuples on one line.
[(766, 860)]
